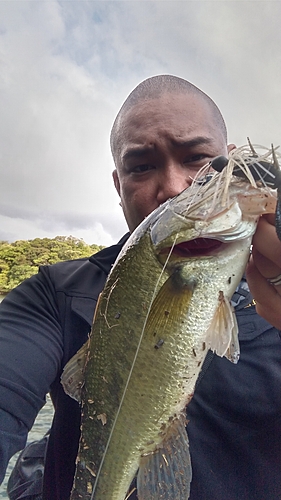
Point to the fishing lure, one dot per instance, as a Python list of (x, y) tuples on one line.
[(263, 170)]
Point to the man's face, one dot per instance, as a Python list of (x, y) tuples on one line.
[(164, 142)]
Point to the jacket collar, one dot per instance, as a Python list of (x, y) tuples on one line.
[(106, 257)]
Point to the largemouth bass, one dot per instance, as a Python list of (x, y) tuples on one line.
[(165, 303)]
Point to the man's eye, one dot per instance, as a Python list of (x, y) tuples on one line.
[(196, 158), (142, 168)]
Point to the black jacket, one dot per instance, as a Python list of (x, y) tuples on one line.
[(234, 418)]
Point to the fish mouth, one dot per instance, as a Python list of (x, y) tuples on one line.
[(193, 248)]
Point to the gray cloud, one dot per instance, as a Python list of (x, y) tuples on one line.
[(66, 67)]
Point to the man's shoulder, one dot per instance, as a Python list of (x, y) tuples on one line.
[(78, 277), (73, 277), (61, 270)]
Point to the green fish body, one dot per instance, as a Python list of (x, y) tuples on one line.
[(165, 303)]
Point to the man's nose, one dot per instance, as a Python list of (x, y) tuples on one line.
[(172, 181)]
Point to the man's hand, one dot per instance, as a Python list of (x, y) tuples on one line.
[(265, 263)]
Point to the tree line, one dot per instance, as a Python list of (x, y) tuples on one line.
[(20, 260)]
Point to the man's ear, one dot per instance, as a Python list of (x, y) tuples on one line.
[(116, 181), (230, 147)]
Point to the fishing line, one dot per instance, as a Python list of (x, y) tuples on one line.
[(132, 367), (217, 194), (131, 492), (197, 189)]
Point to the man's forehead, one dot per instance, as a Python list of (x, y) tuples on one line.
[(178, 113), (175, 117)]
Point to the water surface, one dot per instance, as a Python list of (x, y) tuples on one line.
[(40, 427)]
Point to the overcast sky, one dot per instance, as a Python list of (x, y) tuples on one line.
[(67, 66)]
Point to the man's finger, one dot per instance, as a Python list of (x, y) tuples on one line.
[(268, 300), (266, 241)]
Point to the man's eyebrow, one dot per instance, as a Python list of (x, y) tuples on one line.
[(139, 151), (136, 152), (197, 141)]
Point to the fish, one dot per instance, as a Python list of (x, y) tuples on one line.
[(166, 302)]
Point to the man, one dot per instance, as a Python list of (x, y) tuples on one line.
[(166, 130)]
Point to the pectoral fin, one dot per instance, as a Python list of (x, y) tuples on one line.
[(72, 378), (166, 473), (171, 302), (222, 334)]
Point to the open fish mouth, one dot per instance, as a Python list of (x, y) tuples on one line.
[(192, 248)]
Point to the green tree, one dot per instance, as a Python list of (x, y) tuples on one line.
[(20, 260)]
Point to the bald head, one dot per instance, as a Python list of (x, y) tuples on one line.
[(155, 88)]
